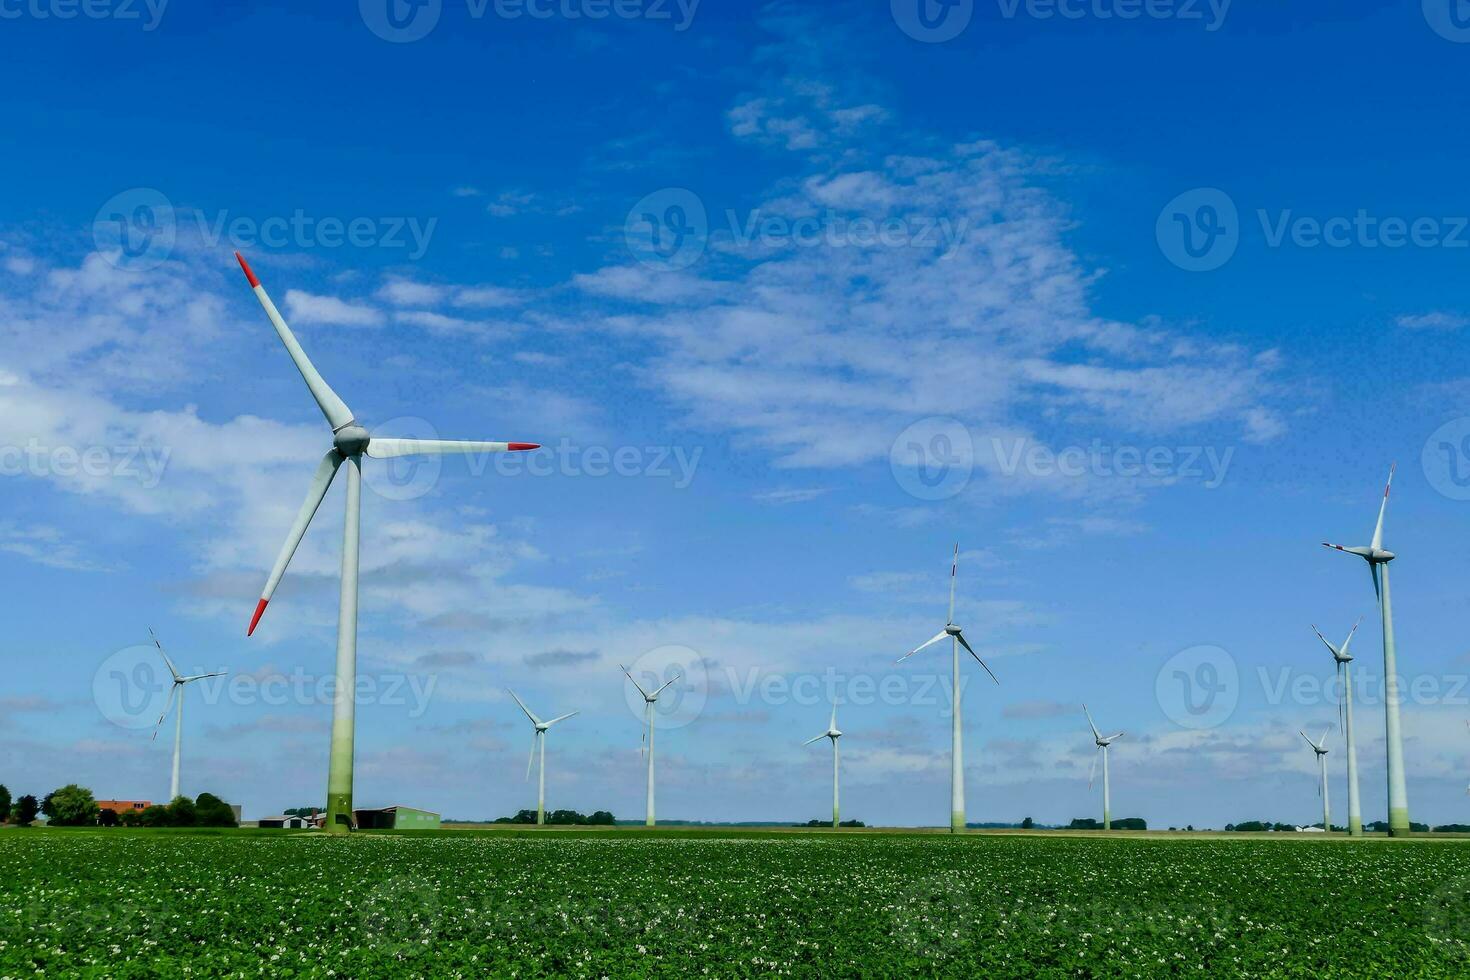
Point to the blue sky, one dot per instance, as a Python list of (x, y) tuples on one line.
[(963, 253)]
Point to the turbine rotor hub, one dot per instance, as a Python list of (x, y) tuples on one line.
[(351, 440), (952, 629)]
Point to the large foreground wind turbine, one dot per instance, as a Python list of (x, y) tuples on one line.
[(957, 747), (1102, 750), (1342, 658), (539, 740), (350, 442), (834, 735), (648, 702), (1320, 747), (1378, 559), (176, 689)]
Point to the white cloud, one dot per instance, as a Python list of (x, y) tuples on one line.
[(307, 307), (1436, 320), (406, 292)]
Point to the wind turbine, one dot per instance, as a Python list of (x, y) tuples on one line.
[(1320, 747), (1378, 559), (1341, 656), (957, 747), (648, 703), (1102, 750), (539, 739), (834, 735), (176, 689), (350, 442)]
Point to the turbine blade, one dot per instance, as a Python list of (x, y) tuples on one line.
[(1092, 724), (170, 663), (964, 643), (1351, 633), (661, 690), (1378, 528), (817, 739), (635, 683), (320, 482), (532, 757), (1325, 642), (560, 718), (391, 448), (534, 719), (200, 677), (334, 408), (1322, 743), (166, 705), (1113, 738), (832, 725), (927, 643), (1093, 774), (954, 570), (1309, 740)]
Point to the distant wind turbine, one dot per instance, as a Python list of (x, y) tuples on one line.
[(1378, 559), (1102, 750), (648, 702), (1320, 747), (957, 739), (1344, 673), (539, 739), (834, 735), (176, 689), (350, 442)]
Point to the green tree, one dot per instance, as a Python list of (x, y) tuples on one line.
[(130, 818), (107, 818), (26, 809), (211, 811), (601, 818), (1027, 824), (71, 806), (154, 816), (182, 812), (4, 803)]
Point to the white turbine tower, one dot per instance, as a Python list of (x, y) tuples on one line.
[(1342, 658), (176, 689), (1102, 750), (350, 442), (957, 748), (1378, 559), (648, 702), (1320, 747), (834, 735), (539, 739)]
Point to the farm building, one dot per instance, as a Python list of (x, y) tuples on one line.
[(287, 821), (120, 807), (396, 818)]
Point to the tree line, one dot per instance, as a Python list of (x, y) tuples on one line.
[(75, 806)]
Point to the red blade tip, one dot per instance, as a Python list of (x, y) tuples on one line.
[(249, 276), (519, 447), (259, 611)]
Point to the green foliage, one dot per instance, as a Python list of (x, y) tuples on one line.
[(1084, 823), (4, 803), (1130, 823), (107, 818), (70, 806), (565, 818), (1453, 828), (182, 812), (25, 810), (154, 816), (739, 904), (1027, 824), (211, 811), (130, 818)]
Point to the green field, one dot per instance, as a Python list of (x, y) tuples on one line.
[(684, 904)]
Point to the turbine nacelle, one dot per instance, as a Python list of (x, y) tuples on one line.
[(953, 629), (351, 440)]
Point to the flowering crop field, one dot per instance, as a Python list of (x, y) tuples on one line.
[(630, 903)]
